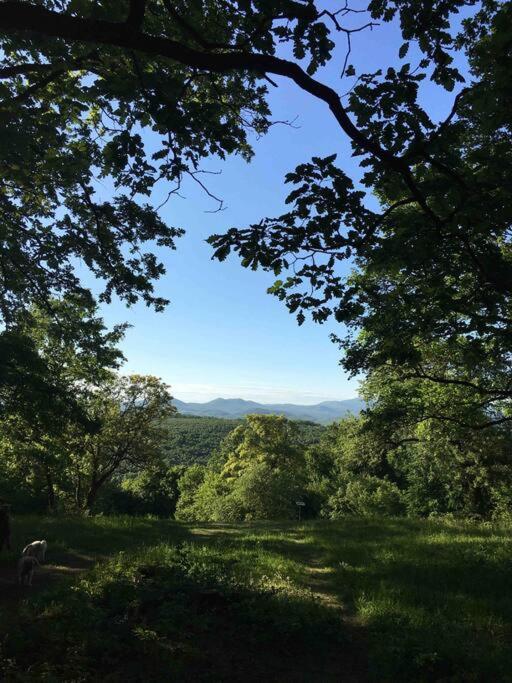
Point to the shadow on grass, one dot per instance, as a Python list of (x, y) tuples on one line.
[(436, 597), (187, 613), (430, 600), (94, 536)]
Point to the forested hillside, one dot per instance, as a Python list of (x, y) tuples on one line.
[(193, 439)]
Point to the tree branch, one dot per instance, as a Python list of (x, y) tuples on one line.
[(498, 394), (136, 14), (475, 427), (23, 69), (17, 16)]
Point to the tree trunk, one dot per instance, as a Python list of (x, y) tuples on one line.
[(50, 491), (92, 494), (89, 499)]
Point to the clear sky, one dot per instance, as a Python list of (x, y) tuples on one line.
[(223, 335)]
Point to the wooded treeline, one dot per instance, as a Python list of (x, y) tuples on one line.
[(116, 446)]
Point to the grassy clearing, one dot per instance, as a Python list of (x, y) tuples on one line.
[(391, 600), (435, 597)]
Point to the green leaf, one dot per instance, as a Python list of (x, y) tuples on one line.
[(403, 50)]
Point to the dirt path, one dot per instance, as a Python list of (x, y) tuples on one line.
[(57, 567), (350, 661)]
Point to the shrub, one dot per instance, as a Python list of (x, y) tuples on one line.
[(265, 493), (366, 496)]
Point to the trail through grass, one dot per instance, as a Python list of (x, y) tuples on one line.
[(388, 600)]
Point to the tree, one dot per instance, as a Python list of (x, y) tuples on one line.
[(153, 491), (71, 116), (189, 507), (423, 447), (349, 471), (56, 360), (435, 263), (257, 473), (132, 413), (98, 424), (81, 79), (264, 493), (46, 352), (260, 439)]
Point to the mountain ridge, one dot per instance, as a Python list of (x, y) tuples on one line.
[(323, 412)]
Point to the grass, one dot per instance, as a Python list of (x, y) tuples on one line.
[(384, 600), (434, 597)]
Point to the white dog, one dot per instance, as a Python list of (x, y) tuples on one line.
[(26, 567), (36, 549)]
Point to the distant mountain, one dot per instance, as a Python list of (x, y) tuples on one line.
[(324, 412)]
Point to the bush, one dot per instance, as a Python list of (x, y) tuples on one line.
[(197, 487), (366, 496), (265, 493), (228, 508)]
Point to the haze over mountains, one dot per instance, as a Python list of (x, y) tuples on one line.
[(324, 412)]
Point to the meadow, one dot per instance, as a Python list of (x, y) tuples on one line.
[(355, 600)]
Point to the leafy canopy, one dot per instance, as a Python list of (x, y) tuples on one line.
[(81, 80)]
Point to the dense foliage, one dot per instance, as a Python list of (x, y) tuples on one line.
[(131, 94), (377, 464), (81, 82), (360, 466), (112, 423), (192, 440), (257, 474)]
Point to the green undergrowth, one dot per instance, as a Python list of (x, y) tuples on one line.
[(165, 613)]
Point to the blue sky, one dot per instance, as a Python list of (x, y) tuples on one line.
[(223, 335)]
